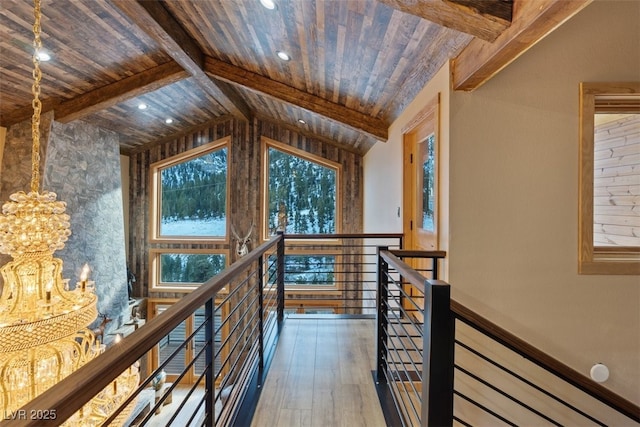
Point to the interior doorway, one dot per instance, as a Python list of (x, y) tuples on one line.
[(421, 179)]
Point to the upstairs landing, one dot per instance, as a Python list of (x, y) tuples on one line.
[(321, 376)]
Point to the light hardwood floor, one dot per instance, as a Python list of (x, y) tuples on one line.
[(321, 376)]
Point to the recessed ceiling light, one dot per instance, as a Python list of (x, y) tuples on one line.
[(269, 4), (302, 122), (43, 56), (142, 106), (283, 55), (169, 120)]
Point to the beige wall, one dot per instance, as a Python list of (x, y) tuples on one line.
[(514, 180)]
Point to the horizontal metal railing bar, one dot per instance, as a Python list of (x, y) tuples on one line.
[(290, 237), (186, 399), (546, 362), (527, 382), (170, 389), (399, 404), (235, 344), (70, 394), (230, 335), (464, 423), (395, 349), (484, 408), (506, 395)]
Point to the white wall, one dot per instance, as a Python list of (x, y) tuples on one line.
[(514, 207)]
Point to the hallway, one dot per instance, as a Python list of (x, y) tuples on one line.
[(321, 376)]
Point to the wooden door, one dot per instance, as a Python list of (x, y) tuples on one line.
[(421, 179)]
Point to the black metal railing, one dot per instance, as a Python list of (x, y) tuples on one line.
[(415, 340), (428, 342), (502, 379), (238, 316), (242, 306), (333, 274)]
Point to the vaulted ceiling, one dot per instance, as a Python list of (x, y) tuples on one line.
[(355, 64)]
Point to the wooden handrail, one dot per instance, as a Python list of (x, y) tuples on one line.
[(343, 236), (408, 253), (70, 394), (546, 362)]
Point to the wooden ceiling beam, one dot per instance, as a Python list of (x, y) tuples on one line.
[(26, 112), (485, 19), (120, 91), (152, 18), (361, 122), (532, 21)]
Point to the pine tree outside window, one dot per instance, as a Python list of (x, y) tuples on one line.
[(184, 269), (303, 188), (190, 194)]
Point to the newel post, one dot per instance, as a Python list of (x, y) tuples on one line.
[(438, 355)]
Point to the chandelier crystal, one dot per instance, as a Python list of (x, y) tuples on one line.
[(44, 334)]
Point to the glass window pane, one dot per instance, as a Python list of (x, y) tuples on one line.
[(190, 268), (427, 184), (194, 196), (616, 183), (303, 192)]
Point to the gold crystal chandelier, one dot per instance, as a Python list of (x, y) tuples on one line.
[(44, 333)]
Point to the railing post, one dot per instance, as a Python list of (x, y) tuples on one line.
[(280, 279), (381, 315), (209, 330), (438, 355), (260, 319)]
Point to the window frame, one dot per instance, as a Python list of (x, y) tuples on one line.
[(593, 259), (182, 287), (305, 155), (155, 207)]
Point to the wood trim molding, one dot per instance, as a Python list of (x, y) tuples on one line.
[(545, 361), (154, 193), (590, 260), (423, 114)]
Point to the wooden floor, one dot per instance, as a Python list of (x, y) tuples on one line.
[(321, 376)]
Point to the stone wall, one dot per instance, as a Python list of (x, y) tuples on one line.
[(83, 167), (81, 164)]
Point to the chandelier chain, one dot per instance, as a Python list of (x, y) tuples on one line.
[(37, 105)]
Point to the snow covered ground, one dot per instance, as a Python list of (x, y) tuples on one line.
[(194, 227)]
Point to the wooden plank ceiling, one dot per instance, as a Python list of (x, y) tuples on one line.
[(355, 64)]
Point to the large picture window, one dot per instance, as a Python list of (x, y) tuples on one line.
[(190, 194), (301, 192)]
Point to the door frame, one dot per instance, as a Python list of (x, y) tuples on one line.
[(425, 123)]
